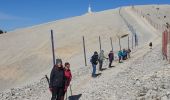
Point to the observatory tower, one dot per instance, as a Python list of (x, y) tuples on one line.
[(89, 9)]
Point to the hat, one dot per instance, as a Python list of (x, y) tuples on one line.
[(95, 53), (58, 61)]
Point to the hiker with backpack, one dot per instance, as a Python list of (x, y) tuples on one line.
[(68, 76), (101, 59), (120, 55), (57, 81), (111, 58), (124, 54), (94, 62)]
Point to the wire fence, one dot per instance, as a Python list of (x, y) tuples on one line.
[(163, 28), (131, 29), (158, 26)]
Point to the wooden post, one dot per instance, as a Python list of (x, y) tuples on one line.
[(100, 44), (84, 47), (119, 43), (128, 43), (111, 43), (132, 41), (52, 43), (136, 40)]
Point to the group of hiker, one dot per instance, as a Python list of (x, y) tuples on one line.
[(123, 55), (61, 76), (99, 58), (60, 79)]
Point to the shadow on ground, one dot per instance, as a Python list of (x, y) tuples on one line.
[(103, 69), (75, 97), (98, 74), (111, 66)]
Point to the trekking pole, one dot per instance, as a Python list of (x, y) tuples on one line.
[(71, 90), (47, 79)]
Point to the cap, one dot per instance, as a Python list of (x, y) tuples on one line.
[(58, 61)]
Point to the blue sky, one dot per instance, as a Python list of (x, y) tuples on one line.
[(23, 13)]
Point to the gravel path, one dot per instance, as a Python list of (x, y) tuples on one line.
[(138, 79)]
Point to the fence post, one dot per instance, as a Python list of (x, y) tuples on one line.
[(84, 47), (168, 51), (136, 40), (52, 43), (132, 41), (119, 43), (128, 43), (111, 43), (100, 43)]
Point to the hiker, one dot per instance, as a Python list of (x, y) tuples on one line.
[(111, 58), (150, 44), (128, 52), (120, 56), (124, 54), (57, 81), (68, 76), (94, 61), (101, 59)]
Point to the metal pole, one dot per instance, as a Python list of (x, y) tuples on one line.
[(119, 43), (111, 43), (128, 42), (132, 41), (136, 40), (100, 43), (52, 42), (84, 47)]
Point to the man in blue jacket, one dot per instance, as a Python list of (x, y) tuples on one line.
[(94, 61)]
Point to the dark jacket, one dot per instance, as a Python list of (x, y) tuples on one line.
[(111, 56), (94, 59), (150, 44), (57, 78)]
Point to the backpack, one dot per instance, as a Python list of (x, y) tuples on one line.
[(91, 59)]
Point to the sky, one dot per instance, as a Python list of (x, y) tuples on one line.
[(16, 14)]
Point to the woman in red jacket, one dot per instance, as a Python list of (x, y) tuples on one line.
[(68, 76)]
